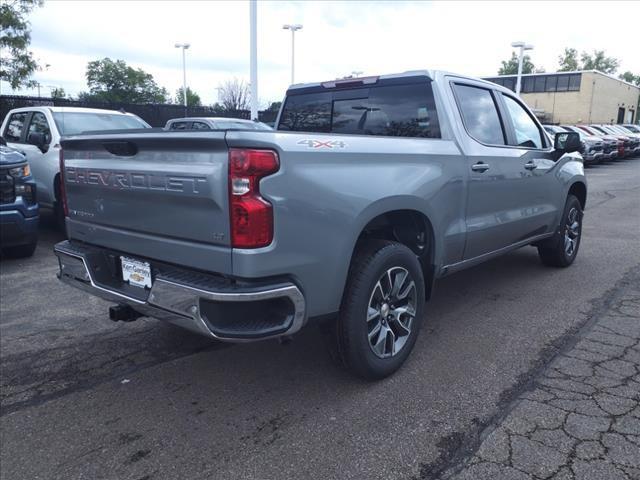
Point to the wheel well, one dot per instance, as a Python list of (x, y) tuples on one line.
[(579, 190), (411, 228)]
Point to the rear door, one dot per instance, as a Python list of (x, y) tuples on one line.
[(506, 199), (153, 194)]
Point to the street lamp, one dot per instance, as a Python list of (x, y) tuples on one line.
[(294, 28), (522, 46), (184, 47)]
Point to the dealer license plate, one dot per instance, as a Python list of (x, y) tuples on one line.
[(135, 272)]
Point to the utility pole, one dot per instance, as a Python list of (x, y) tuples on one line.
[(253, 37), (184, 47), (522, 46), (294, 28)]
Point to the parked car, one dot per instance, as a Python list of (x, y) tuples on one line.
[(36, 131), (609, 143), (591, 148), (18, 205), (630, 143), (622, 151), (370, 190), (214, 123), (632, 128), (635, 137)]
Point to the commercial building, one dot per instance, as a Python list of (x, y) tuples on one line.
[(577, 97)]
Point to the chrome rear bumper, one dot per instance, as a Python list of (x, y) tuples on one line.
[(192, 300)]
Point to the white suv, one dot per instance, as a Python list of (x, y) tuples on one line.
[(36, 132)]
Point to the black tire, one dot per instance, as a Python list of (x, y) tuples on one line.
[(557, 252), (20, 251), (373, 260)]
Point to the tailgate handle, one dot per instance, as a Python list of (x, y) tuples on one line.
[(121, 149)]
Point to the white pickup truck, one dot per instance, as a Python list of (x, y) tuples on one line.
[(36, 132)]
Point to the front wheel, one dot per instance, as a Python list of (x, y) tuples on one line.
[(562, 249), (382, 309)]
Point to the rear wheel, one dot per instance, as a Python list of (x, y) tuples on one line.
[(563, 248), (382, 309)]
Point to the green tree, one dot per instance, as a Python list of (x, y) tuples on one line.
[(568, 61), (274, 106), (193, 99), (510, 67), (599, 61), (17, 64), (58, 92), (630, 77), (115, 81)]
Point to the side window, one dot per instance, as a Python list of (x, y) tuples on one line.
[(13, 132), (39, 124), (200, 126), (479, 114), (527, 131), (178, 126), (307, 113)]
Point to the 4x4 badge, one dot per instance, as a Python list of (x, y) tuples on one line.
[(316, 144)]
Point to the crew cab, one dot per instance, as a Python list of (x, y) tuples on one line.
[(36, 131), (369, 190)]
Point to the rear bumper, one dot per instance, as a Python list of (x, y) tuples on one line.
[(216, 307), (16, 229)]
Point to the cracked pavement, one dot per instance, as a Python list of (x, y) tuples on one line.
[(84, 398), (581, 419)]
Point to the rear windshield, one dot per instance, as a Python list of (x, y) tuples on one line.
[(393, 110), (71, 123)]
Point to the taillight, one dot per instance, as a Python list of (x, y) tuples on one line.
[(63, 191), (251, 215)]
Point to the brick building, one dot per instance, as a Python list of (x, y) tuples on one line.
[(577, 97)]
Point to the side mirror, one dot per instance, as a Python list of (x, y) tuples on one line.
[(567, 142), (39, 140)]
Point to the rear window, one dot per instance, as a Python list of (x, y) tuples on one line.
[(393, 110), (71, 123)]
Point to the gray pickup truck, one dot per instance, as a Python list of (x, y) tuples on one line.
[(368, 191)]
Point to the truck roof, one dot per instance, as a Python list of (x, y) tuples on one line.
[(373, 79)]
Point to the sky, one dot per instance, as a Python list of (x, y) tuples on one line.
[(338, 38)]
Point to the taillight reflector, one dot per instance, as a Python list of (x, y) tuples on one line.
[(251, 215)]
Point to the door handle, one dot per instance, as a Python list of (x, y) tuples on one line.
[(480, 167), (530, 165)]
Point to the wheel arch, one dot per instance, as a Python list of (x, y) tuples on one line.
[(579, 190), (409, 226)]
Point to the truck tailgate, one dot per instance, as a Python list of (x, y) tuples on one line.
[(151, 192)]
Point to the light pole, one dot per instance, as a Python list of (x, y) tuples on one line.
[(522, 46), (253, 67), (184, 47), (294, 28)]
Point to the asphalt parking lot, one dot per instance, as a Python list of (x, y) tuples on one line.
[(85, 398)]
